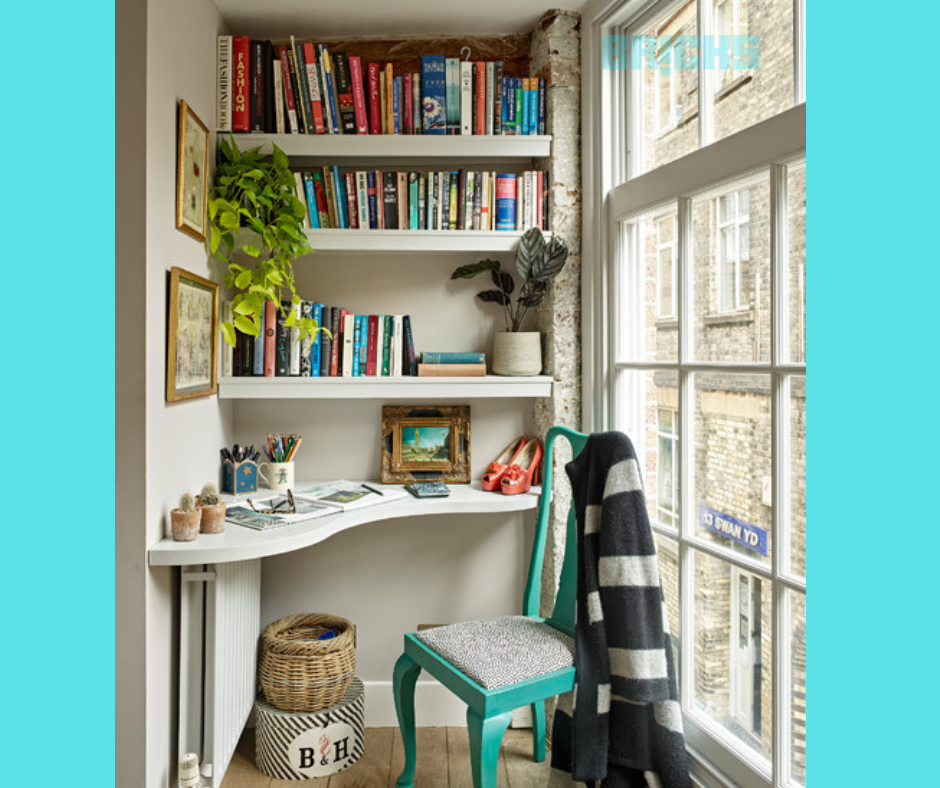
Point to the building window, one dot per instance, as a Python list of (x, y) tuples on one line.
[(704, 297), (666, 267), (734, 248)]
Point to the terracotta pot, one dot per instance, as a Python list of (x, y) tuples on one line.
[(185, 525), (517, 353), (213, 519)]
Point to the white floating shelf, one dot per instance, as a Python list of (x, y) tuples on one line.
[(238, 543), (491, 386), (414, 240), (415, 147)]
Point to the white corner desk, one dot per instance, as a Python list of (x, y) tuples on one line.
[(220, 607)]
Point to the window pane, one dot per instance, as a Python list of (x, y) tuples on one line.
[(647, 410), (732, 455), (667, 552), (733, 652), (667, 86), (753, 61), (731, 272), (798, 475), (648, 288), (796, 212), (797, 688)]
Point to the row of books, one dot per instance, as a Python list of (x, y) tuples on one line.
[(302, 88), (448, 200), (356, 346)]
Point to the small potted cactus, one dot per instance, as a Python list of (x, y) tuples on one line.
[(185, 519), (213, 510)]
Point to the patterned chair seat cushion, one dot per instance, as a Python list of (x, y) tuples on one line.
[(500, 651)]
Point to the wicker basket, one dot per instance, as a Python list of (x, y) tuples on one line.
[(299, 672)]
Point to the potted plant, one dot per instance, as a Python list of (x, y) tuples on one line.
[(185, 519), (213, 510), (518, 352), (253, 209)]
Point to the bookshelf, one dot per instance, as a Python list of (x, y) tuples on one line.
[(384, 388)]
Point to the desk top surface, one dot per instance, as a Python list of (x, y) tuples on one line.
[(238, 543)]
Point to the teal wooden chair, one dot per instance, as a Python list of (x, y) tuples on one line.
[(497, 665)]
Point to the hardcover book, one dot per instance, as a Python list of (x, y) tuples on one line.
[(344, 93), (336, 350), (379, 344), (359, 97), (490, 92), (269, 57), (409, 357), (498, 98), (357, 346), (505, 201), (282, 342), (288, 92), (433, 94), (466, 97), (349, 343), (479, 98), (362, 200), (451, 370), (323, 212), (452, 357), (326, 340), (303, 86), (257, 365), (387, 335), (326, 64), (224, 81), (241, 89), (306, 344), (375, 108), (352, 202), (373, 332), (407, 112), (295, 347), (270, 338), (389, 90), (390, 200), (311, 195), (313, 85), (277, 74), (372, 194), (452, 94), (316, 344)]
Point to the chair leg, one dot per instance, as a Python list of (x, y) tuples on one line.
[(403, 687), (486, 734), (538, 731)]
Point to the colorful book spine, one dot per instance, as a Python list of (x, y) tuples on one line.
[(379, 342), (505, 201), (224, 83), (372, 329), (316, 343), (452, 94), (387, 345), (372, 195), (330, 88), (270, 338), (326, 340), (336, 328), (409, 357), (357, 346), (389, 91), (517, 90), (304, 108), (313, 85), (241, 59), (350, 358), (290, 105), (479, 98), (542, 98), (341, 205), (490, 92), (295, 341), (433, 94), (360, 116), (533, 106), (278, 85), (375, 108), (451, 370), (311, 196), (282, 342), (352, 200), (306, 344), (407, 110), (498, 97), (396, 106), (257, 362), (344, 95), (526, 105), (452, 357)]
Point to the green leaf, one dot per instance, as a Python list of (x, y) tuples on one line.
[(277, 277), (470, 271), (549, 264), (494, 297), (503, 281), (279, 159), (533, 293), (254, 251), (228, 220), (245, 325), (214, 238), (531, 245), (243, 280), (228, 332), (291, 318), (244, 307)]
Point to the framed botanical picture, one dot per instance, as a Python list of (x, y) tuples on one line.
[(425, 443), (192, 174), (192, 338)]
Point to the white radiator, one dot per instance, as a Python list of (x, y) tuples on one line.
[(220, 612)]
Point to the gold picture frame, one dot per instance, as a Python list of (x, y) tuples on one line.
[(192, 337), (425, 443), (192, 173)]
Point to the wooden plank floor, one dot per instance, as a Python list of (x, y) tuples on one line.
[(443, 762)]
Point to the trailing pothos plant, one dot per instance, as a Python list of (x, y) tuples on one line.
[(537, 262), (257, 193)]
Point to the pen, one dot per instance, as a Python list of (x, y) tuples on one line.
[(370, 488)]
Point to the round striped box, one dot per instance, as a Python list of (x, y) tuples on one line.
[(303, 745)]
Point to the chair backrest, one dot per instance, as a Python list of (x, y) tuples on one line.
[(563, 614)]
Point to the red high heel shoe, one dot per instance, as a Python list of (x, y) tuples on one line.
[(496, 469), (519, 476)]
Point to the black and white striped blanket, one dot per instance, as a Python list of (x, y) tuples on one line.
[(622, 723)]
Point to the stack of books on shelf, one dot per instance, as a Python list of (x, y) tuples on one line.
[(452, 365), (448, 200), (299, 87), (356, 346)]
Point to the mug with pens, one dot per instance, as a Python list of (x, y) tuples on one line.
[(239, 469), (281, 450)]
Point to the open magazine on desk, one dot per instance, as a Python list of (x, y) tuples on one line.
[(311, 500)]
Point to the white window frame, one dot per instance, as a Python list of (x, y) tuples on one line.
[(732, 73), (614, 189), (666, 69), (672, 246), (672, 512), (721, 268)]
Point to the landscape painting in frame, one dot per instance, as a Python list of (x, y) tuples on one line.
[(429, 443), (192, 336)]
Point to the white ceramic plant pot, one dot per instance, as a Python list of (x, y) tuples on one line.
[(517, 353)]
